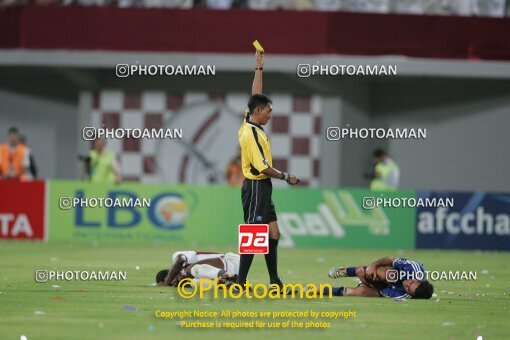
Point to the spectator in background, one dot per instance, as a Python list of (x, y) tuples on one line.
[(303, 5), (14, 158), (386, 172), (182, 4), (271, 4), (234, 172), (12, 3), (104, 167), (455, 7), (414, 6), (219, 4), (366, 6), (48, 2), (489, 8), (32, 168), (328, 5)]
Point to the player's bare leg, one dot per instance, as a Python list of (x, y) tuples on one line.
[(361, 290), (274, 230)]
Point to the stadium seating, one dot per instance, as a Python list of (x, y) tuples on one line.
[(489, 8)]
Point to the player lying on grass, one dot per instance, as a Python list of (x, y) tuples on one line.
[(389, 277), (199, 265)]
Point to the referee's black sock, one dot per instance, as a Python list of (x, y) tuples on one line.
[(272, 261), (244, 268)]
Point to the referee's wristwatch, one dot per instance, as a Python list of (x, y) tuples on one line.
[(285, 176)]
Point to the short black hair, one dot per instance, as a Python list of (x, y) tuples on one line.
[(160, 277), (13, 130), (258, 100), (424, 290), (379, 153)]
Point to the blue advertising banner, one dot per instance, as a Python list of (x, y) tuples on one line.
[(476, 221)]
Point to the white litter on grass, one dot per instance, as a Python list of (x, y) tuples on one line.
[(39, 312), (23, 337), (152, 284), (485, 271), (400, 300), (137, 267), (446, 324), (479, 337), (437, 300), (434, 295), (55, 286), (450, 293)]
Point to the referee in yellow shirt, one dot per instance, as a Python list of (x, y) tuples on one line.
[(257, 168)]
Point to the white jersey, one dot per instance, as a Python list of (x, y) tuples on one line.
[(230, 260), (194, 256)]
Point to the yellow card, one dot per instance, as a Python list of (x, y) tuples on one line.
[(258, 46)]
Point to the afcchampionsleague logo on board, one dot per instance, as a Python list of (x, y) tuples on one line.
[(253, 239)]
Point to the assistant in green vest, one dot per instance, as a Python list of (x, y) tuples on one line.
[(386, 172), (104, 167)]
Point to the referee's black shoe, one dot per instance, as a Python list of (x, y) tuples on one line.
[(238, 288), (281, 287)]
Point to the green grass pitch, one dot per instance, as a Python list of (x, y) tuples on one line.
[(84, 310)]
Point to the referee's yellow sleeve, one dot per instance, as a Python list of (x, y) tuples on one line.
[(255, 154)]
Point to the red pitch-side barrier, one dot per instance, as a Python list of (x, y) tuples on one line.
[(22, 210)]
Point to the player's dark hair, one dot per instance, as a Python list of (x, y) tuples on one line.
[(13, 130), (379, 153), (160, 277), (258, 100), (424, 291)]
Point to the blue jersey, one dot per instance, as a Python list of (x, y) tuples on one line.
[(405, 270)]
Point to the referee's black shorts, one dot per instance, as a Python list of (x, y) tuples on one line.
[(258, 206)]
